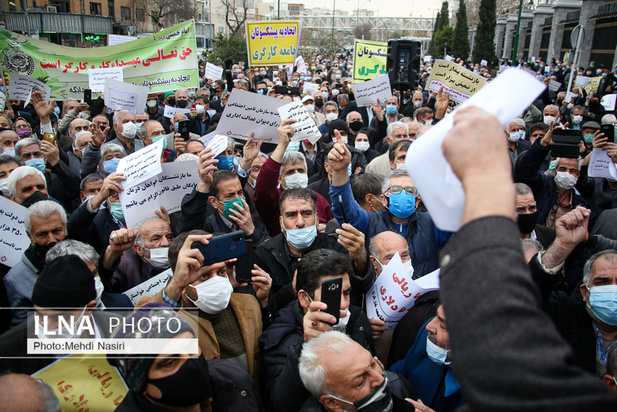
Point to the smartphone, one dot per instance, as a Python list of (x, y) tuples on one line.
[(222, 248), (87, 95), (183, 129), (331, 291), (566, 143), (340, 202), (244, 265), (49, 137), (609, 132)]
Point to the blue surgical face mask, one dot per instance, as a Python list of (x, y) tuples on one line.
[(522, 134), (589, 138), (260, 91), (551, 166), (38, 164), (116, 210), (225, 162), (57, 111), (177, 126), (402, 205), (301, 238), (293, 147), (159, 137), (391, 110), (603, 303), (110, 166), (436, 353)]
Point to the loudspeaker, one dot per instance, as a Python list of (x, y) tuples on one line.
[(403, 64)]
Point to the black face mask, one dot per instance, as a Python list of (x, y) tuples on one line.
[(527, 222), (35, 197), (41, 250), (190, 385), (406, 96), (355, 126), (171, 102), (202, 73), (182, 103), (16, 108), (318, 102)]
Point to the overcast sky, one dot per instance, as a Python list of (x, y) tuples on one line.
[(387, 8)]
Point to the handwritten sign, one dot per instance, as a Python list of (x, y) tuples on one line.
[(247, 112), (96, 77), (125, 96), (601, 165), (170, 111), (84, 382), (554, 85), (213, 72), (150, 287), (310, 88), (394, 292), (218, 144), (13, 238), (141, 165), (165, 60), (368, 92), (458, 81), (272, 43), (21, 87), (304, 127), (369, 59), (608, 101)]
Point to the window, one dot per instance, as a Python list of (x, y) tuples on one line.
[(95, 9), (111, 11), (125, 12), (140, 14)]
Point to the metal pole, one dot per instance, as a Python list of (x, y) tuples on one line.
[(579, 40), (333, 13), (279, 13), (518, 29)]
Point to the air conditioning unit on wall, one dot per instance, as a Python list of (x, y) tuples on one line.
[(52, 9)]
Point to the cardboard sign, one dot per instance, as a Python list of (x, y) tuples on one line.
[(455, 79), (369, 92), (13, 238)]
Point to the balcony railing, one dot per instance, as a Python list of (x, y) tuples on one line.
[(58, 22)]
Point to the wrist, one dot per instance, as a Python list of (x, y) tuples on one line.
[(203, 187)]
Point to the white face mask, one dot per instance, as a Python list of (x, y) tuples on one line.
[(331, 117), (66, 335), (400, 166), (200, 108), (514, 137), (9, 151), (129, 130), (408, 267), (213, 295), (335, 92), (296, 180), (565, 181), (310, 108), (275, 73), (363, 146), (549, 119), (342, 322), (577, 119), (151, 103), (98, 285), (345, 139), (158, 257), (4, 187)]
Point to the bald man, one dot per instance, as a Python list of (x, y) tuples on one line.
[(22, 393)]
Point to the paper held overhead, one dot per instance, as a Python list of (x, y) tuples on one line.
[(505, 97)]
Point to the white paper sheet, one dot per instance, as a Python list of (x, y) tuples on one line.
[(150, 287), (165, 189), (601, 165), (247, 112), (505, 97), (141, 165), (169, 112), (304, 127), (582, 81), (608, 101), (2, 101), (13, 238), (484, 63), (310, 88), (96, 77), (368, 92), (448, 58), (218, 144), (125, 96), (554, 86), (213, 72), (21, 87)]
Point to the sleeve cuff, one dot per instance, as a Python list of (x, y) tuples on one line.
[(169, 300), (550, 271)]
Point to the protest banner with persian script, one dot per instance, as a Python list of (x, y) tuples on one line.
[(455, 79), (272, 43), (369, 59)]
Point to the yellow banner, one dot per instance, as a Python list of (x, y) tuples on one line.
[(83, 382), (593, 84), (369, 59), (455, 79), (272, 43)]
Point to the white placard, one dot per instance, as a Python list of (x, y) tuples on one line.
[(484, 63), (533, 59), (213, 72), (207, 138), (394, 292), (304, 127), (150, 287), (300, 65), (170, 111), (2, 101), (554, 86), (601, 165), (125, 96), (568, 98), (504, 67), (113, 39), (368, 92), (427, 59), (448, 58), (141, 165), (608, 101), (547, 69), (165, 189), (21, 87), (13, 238), (218, 144), (582, 80), (96, 77), (247, 112), (441, 191), (310, 88)]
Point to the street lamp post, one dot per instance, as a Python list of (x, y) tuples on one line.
[(333, 16), (518, 28), (24, 9)]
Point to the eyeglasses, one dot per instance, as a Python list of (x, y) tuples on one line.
[(398, 189)]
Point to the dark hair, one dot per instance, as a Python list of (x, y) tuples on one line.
[(403, 144), (422, 111), (537, 126), (6, 158), (176, 245), (92, 177), (365, 183), (319, 263), (298, 193), (195, 140), (218, 177)]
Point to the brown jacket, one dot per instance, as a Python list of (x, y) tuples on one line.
[(248, 312)]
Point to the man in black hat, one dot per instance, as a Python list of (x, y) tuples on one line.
[(65, 282)]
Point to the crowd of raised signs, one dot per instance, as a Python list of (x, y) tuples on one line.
[(334, 214)]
